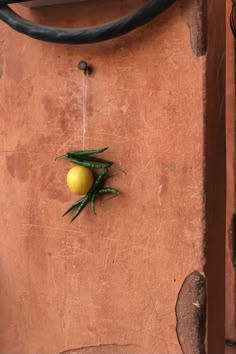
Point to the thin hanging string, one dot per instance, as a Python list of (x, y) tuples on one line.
[(84, 107)]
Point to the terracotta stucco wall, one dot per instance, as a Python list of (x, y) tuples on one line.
[(109, 282)]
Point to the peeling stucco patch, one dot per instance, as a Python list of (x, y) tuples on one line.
[(232, 240), (195, 14), (191, 314)]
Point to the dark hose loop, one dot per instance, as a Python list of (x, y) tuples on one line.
[(83, 35), (232, 17)]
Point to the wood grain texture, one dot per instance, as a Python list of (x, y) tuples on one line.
[(230, 294), (215, 176)]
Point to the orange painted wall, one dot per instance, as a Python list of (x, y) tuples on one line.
[(112, 279)]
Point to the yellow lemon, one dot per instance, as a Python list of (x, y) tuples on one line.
[(79, 180)]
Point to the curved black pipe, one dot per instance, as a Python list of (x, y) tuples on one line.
[(232, 15), (83, 35)]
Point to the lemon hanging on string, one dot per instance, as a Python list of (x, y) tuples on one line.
[(80, 180)]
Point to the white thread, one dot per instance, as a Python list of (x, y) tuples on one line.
[(84, 107)]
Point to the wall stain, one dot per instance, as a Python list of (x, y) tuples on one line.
[(191, 314), (57, 194), (195, 15), (18, 165)]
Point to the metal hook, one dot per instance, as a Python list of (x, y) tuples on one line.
[(85, 67)]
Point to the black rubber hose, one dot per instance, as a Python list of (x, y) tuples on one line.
[(232, 16), (83, 35)]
